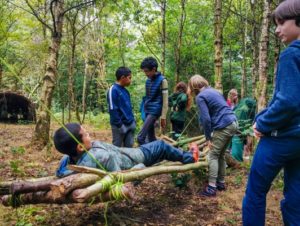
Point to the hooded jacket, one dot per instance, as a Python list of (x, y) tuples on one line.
[(282, 116)]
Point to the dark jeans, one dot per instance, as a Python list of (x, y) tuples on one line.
[(147, 130), (158, 151), (272, 155), (177, 127)]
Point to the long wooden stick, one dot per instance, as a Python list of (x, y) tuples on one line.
[(82, 195)]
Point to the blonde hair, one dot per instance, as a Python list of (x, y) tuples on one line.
[(232, 91), (196, 83)]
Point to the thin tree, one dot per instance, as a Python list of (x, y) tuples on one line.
[(72, 19), (163, 35), (179, 40), (218, 31), (261, 85), (254, 44)]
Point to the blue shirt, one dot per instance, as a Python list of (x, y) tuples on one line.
[(214, 112), (282, 116), (119, 104)]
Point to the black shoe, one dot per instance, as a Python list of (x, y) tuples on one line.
[(209, 191), (221, 186)]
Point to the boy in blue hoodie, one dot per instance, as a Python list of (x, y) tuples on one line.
[(278, 127), (120, 110)]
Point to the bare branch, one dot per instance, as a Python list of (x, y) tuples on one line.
[(84, 26), (53, 17), (32, 12), (79, 6), (157, 58)]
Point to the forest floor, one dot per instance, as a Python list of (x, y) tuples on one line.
[(157, 201)]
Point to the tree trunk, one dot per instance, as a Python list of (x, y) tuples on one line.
[(254, 44), (1, 74), (163, 35), (42, 128), (101, 84), (244, 66), (71, 100), (218, 30), (101, 51), (179, 41), (121, 45), (263, 58), (276, 58), (85, 75), (230, 65)]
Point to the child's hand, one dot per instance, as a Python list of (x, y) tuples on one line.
[(209, 144), (257, 134)]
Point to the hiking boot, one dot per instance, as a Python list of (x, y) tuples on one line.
[(221, 186), (209, 191), (195, 151)]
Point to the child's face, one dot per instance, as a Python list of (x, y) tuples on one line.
[(126, 80), (86, 140), (149, 73), (287, 31)]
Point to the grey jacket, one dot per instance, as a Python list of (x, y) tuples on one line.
[(106, 157)]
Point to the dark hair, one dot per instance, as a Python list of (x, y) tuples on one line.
[(149, 63), (122, 71), (181, 87), (287, 10), (64, 142)]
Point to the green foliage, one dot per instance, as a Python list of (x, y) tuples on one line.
[(238, 179), (15, 167), (278, 183), (181, 180), (30, 215), (17, 150)]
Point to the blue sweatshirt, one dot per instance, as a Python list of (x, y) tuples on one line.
[(282, 116), (119, 104), (214, 112)]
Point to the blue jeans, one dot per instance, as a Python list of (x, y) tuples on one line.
[(272, 155), (158, 151)]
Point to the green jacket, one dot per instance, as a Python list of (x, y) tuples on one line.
[(245, 113), (177, 103)]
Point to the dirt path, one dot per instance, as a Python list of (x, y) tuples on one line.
[(157, 202)]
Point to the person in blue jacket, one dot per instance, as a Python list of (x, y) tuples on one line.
[(120, 110), (156, 100), (219, 124), (278, 127)]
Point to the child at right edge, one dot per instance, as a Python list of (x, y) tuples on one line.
[(278, 127)]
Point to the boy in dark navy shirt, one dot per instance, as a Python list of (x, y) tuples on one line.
[(120, 109)]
